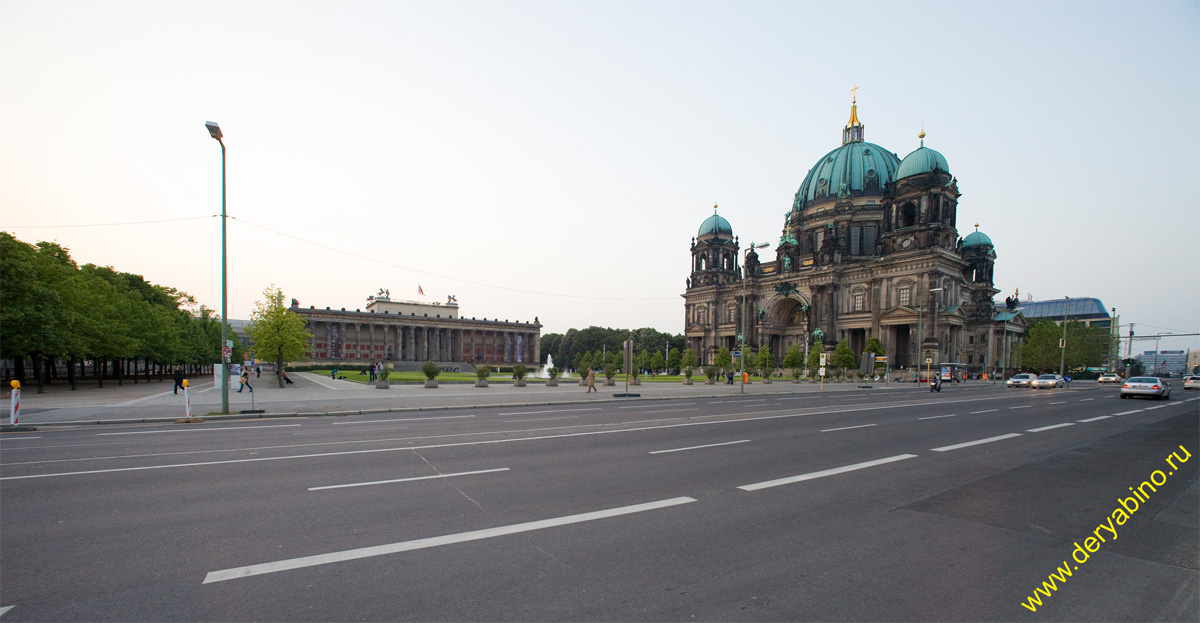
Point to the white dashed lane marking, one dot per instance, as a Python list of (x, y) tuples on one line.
[(449, 539), (1051, 427), (977, 442)]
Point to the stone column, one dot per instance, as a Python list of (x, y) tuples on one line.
[(328, 339), (537, 348)]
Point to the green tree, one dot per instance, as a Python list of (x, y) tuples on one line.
[(814, 357), (1039, 352), (688, 359), (794, 359), (749, 362), (657, 362), (843, 357), (276, 331), (875, 348), (641, 361), (766, 361), (673, 360), (723, 360)]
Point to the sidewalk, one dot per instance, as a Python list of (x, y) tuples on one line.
[(313, 395)]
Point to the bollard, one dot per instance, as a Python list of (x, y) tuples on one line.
[(187, 400), (15, 408)]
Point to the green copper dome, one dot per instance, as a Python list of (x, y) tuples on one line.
[(923, 160), (977, 238), (854, 169), (715, 226)]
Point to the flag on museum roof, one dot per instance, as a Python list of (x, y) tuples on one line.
[(419, 290)]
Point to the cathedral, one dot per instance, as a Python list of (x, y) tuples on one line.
[(869, 248)]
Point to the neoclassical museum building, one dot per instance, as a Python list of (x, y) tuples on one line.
[(410, 331), (870, 248)]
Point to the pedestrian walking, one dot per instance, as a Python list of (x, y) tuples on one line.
[(178, 376), (257, 371), (591, 382), (246, 381)]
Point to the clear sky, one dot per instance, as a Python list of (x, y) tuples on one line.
[(554, 159)]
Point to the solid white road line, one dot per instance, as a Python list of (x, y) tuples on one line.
[(987, 411), (1021, 407), (821, 474), (18, 439), (711, 445), (1128, 412), (975, 443), (199, 430), (669, 411), (407, 419), (357, 430), (5, 609), (1051, 427), (388, 482), (1095, 419), (462, 537), (934, 417), (830, 430), (678, 404), (546, 419), (1153, 408), (548, 411)]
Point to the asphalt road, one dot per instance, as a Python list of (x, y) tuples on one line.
[(852, 505)]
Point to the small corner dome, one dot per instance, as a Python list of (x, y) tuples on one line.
[(715, 227), (923, 160), (976, 239)]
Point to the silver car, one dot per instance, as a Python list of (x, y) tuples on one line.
[(1146, 386), (1048, 381), (1020, 380)]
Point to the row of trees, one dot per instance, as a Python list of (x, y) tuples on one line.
[(1087, 347), (56, 311), (569, 348)]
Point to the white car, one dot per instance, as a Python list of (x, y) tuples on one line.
[(1109, 377), (1048, 381), (1150, 386), (1020, 380), (1191, 382)]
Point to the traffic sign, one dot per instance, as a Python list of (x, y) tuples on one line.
[(822, 359), (822, 370), (1068, 379), (880, 359), (736, 353), (226, 352), (929, 360)]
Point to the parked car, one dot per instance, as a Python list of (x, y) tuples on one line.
[(1020, 380), (1146, 386), (1109, 377), (1191, 382), (1048, 381)]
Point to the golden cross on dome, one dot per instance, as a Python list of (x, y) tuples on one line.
[(854, 95), (714, 208)]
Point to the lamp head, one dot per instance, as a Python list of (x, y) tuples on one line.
[(213, 129)]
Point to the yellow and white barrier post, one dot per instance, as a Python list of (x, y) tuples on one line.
[(14, 413), (187, 400)]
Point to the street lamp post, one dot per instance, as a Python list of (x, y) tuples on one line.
[(921, 330), (1062, 365), (742, 345), (214, 130)]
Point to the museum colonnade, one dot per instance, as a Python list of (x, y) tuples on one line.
[(402, 339)]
